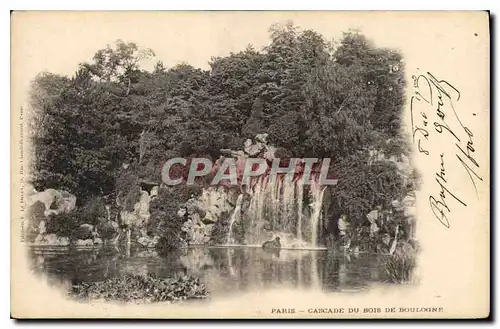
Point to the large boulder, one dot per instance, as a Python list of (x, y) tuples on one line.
[(55, 201), (66, 203), (274, 244), (203, 212)]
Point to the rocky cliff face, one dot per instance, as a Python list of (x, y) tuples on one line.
[(203, 213), (217, 203), (140, 215), (42, 205), (55, 201), (138, 219), (54, 209)]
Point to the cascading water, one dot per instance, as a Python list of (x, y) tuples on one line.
[(317, 193), (108, 212), (277, 209), (288, 200), (300, 197), (236, 214), (278, 205)]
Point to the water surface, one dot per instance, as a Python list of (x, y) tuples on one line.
[(224, 270)]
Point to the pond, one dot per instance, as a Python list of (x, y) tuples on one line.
[(224, 270)]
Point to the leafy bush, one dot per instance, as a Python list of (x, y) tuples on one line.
[(63, 224), (141, 288), (164, 219), (106, 230), (35, 216), (93, 212), (127, 188), (36, 212)]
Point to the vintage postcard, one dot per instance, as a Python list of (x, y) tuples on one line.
[(250, 165)]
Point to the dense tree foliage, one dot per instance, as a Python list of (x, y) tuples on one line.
[(313, 99)]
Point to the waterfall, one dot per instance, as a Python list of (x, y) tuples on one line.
[(108, 212), (277, 209), (127, 242), (234, 217), (300, 197), (256, 208), (288, 202), (276, 202), (278, 206)]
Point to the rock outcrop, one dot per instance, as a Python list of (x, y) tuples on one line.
[(274, 244), (140, 215), (203, 212), (259, 147), (43, 205), (137, 220), (55, 201), (216, 203)]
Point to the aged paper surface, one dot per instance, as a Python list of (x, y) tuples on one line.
[(445, 114)]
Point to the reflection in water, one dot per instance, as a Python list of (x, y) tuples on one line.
[(225, 270)]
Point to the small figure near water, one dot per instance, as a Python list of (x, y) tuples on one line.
[(274, 244)]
